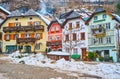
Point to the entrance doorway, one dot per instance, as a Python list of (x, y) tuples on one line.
[(106, 55), (27, 49), (84, 52), (10, 48)]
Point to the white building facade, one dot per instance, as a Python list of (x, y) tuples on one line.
[(75, 37)]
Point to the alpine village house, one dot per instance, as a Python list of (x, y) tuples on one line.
[(102, 36), (54, 42), (75, 38), (3, 14), (24, 31)]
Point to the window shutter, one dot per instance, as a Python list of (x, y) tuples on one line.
[(41, 35), (40, 22), (83, 36), (28, 23), (22, 35), (33, 23), (32, 35), (11, 24), (11, 36), (5, 37)]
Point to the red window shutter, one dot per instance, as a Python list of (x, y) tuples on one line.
[(32, 35), (5, 37), (11, 24), (22, 35), (11, 36), (83, 36), (41, 35)]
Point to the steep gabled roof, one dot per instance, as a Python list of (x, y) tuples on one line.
[(73, 14), (47, 21), (65, 15), (15, 13), (4, 10), (30, 12), (53, 21), (79, 17), (97, 11)]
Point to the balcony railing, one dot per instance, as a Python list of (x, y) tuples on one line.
[(25, 40), (23, 28), (54, 43)]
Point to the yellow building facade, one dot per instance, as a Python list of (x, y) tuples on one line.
[(25, 32)]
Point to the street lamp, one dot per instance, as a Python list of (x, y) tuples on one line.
[(118, 41)]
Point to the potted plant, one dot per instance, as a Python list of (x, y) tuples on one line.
[(111, 59), (101, 58)]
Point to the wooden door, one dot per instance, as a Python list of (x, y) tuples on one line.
[(84, 52)]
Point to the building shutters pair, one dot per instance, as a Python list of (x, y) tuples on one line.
[(9, 37), (33, 35)]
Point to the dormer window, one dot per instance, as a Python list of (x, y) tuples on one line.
[(77, 25), (70, 26), (95, 17), (52, 29), (104, 16), (57, 28)]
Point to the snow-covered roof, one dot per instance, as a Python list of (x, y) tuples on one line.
[(47, 21), (58, 53), (15, 13), (5, 10), (30, 12), (117, 17)]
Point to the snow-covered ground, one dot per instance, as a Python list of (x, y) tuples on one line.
[(104, 70)]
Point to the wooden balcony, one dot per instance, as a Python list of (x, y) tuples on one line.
[(54, 43), (25, 40), (23, 28)]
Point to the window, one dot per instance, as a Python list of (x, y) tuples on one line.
[(57, 28), (92, 26), (50, 38), (17, 24), (74, 37), (27, 35), (70, 26), (57, 37), (100, 40), (67, 50), (95, 17), (107, 26), (31, 24), (75, 51), (16, 36), (77, 25), (37, 36), (104, 16), (93, 41), (8, 37), (83, 36), (108, 39), (37, 46), (52, 29), (67, 37), (37, 23)]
